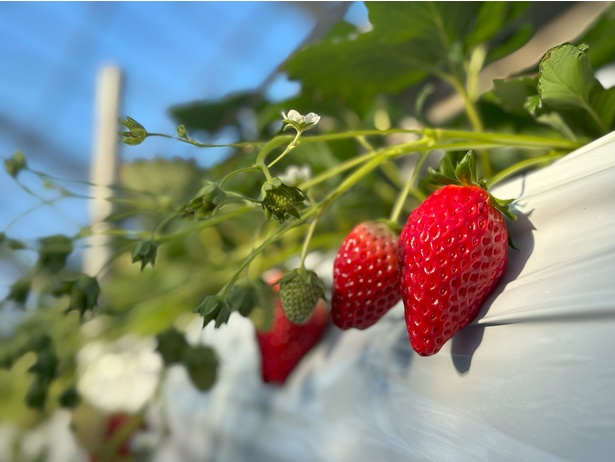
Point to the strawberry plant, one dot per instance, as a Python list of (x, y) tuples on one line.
[(320, 197)]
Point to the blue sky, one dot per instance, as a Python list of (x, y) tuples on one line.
[(170, 53)]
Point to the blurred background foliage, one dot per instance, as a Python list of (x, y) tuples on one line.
[(392, 74)]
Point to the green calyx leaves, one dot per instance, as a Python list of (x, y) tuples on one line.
[(280, 200), (464, 174), (145, 252), (205, 201), (135, 133), (83, 292), (253, 299), (214, 307), (300, 290)]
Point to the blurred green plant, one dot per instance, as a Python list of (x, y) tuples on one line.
[(210, 231)]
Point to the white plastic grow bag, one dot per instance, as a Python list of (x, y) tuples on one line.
[(531, 379)]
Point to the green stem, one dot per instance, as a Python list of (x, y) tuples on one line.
[(403, 195), (520, 166), (204, 224), (260, 159), (290, 147), (308, 238), (236, 172), (473, 116)]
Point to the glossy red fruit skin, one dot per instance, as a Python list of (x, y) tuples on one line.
[(452, 253), (286, 343), (365, 281)]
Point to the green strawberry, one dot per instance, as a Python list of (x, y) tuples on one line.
[(300, 290)]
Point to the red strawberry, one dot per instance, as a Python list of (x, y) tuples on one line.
[(452, 253), (365, 284), (286, 343), (105, 437)]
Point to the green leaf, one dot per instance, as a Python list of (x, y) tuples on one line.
[(513, 92), (600, 37), (496, 21), (213, 116), (408, 40), (566, 82)]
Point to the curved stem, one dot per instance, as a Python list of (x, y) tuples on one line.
[(236, 172), (260, 159), (520, 166), (290, 147)]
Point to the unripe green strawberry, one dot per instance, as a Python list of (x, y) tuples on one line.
[(452, 253), (283, 344), (365, 283), (280, 200), (300, 290)]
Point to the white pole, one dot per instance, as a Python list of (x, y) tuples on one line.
[(104, 167)]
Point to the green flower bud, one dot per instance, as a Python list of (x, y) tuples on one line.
[(136, 132), (145, 252), (206, 200)]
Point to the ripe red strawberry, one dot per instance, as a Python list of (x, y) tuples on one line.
[(452, 253), (105, 437), (286, 343), (365, 284)]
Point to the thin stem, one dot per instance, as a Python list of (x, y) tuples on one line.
[(308, 238), (260, 159), (289, 148), (520, 166), (236, 172), (403, 195)]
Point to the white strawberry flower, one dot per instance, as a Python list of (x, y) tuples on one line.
[(295, 174), (298, 121)]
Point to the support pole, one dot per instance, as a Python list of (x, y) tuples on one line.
[(104, 167)]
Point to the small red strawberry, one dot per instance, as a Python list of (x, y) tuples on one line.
[(452, 253), (105, 437), (286, 343), (365, 284)]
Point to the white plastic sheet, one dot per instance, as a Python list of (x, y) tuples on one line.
[(531, 379)]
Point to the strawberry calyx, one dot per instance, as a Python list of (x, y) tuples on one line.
[(464, 174)]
